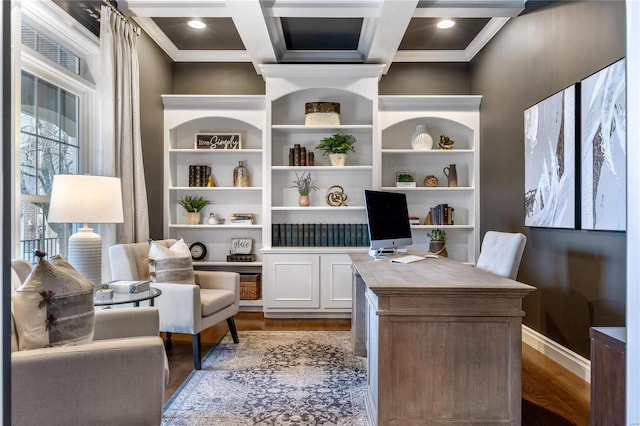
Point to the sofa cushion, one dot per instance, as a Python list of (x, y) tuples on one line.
[(172, 264), (214, 300), (53, 307)]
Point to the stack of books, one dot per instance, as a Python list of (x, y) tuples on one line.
[(198, 175), (242, 219)]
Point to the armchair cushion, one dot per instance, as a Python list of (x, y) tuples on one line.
[(172, 264), (53, 307), (214, 300)]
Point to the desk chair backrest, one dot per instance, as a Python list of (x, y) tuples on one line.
[(501, 253)]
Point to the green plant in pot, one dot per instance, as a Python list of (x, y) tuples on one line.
[(304, 184), (437, 242), (193, 204), (337, 146), (405, 177)]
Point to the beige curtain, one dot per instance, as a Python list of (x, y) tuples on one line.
[(120, 144)]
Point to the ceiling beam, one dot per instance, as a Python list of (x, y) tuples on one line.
[(321, 8), (173, 8), (468, 8), (251, 23), (385, 33)]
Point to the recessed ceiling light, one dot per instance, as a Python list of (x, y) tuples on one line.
[(197, 24), (445, 23)]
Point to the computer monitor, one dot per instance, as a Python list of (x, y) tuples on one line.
[(388, 219)]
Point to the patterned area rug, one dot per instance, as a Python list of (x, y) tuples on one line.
[(274, 378)]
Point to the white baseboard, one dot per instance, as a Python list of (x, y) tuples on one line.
[(570, 360)]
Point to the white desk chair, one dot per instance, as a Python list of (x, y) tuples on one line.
[(501, 253)]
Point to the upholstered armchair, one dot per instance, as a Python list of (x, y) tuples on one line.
[(501, 253), (118, 378), (184, 308)]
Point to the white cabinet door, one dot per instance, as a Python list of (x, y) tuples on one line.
[(292, 281), (335, 276)]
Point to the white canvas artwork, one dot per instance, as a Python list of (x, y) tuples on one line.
[(550, 176), (603, 149)]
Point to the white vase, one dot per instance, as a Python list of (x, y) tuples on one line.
[(338, 159), (421, 139)]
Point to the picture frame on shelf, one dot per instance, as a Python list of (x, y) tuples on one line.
[(241, 246), (550, 161), (603, 149), (219, 141)]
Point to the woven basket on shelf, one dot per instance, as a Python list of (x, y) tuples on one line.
[(249, 286)]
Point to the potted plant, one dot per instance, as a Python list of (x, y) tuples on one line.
[(304, 184), (337, 146), (193, 204), (437, 243), (405, 179)]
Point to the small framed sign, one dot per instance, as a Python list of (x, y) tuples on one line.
[(241, 245), (218, 141)]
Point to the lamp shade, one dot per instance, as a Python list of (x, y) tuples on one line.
[(85, 199)]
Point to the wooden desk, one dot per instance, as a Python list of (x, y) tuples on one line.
[(443, 342)]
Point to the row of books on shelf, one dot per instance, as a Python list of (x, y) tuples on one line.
[(199, 175), (442, 214), (319, 235)]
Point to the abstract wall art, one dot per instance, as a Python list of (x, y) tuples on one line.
[(603, 149), (550, 161)]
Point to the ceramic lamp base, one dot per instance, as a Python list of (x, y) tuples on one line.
[(85, 254)]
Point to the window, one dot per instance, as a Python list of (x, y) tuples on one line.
[(57, 109), (49, 129)]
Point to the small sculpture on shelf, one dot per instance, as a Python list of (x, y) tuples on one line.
[(430, 181), (304, 184), (336, 197), (445, 142)]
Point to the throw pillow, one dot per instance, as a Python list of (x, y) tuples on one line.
[(172, 264), (53, 307)]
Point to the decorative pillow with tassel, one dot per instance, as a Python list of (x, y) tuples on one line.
[(54, 306)]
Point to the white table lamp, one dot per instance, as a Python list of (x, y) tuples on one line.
[(86, 199)]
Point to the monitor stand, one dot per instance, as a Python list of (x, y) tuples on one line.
[(382, 252)]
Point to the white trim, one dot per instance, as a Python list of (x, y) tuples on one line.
[(568, 359), (212, 56), (55, 21), (468, 8), (484, 36)]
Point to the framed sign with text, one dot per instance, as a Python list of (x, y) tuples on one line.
[(218, 141), (241, 246)]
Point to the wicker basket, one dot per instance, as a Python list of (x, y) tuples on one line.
[(249, 286)]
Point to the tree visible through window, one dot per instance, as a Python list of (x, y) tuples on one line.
[(49, 129)]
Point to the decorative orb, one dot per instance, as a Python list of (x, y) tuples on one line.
[(431, 181)]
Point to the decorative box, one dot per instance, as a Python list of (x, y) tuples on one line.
[(104, 294), (405, 184), (322, 114)]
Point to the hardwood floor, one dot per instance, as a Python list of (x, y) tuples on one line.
[(551, 395)]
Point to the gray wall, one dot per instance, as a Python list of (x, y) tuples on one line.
[(156, 78), (579, 275), (425, 79), (217, 79)]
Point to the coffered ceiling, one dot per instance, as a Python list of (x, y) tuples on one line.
[(321, 31)]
